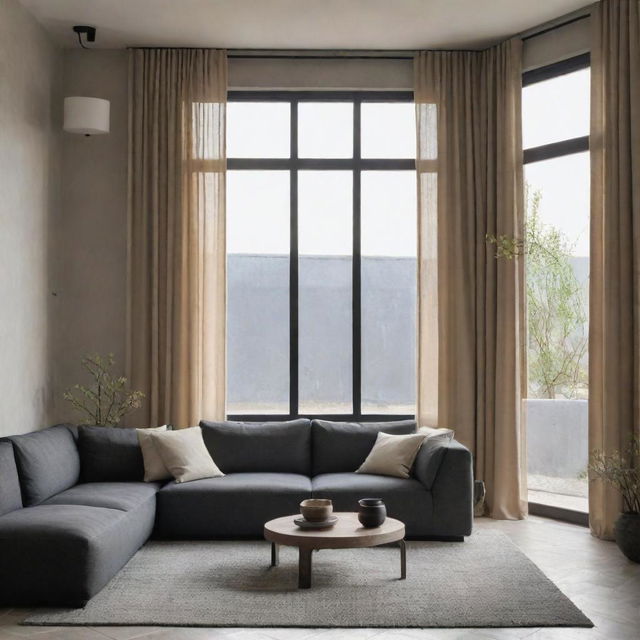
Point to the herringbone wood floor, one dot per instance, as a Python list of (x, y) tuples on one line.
[(594, 574)]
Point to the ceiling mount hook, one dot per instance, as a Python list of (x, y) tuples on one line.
[(89, 32)]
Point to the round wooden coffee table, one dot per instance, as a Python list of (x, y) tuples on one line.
[(347, 533)]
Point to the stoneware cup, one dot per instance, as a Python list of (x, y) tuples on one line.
[(372, 512), (316, 509)]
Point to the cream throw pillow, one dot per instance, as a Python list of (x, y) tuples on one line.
[(392, 455), (154, 468), (185, 455)]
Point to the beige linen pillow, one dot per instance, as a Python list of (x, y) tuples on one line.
[(154, 468), (185, 455), (392, 455)]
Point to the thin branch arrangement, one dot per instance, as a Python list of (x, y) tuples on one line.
[(107, 399), (622, 471), (556, 306)]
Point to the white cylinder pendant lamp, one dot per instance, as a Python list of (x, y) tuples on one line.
[(88, 116)]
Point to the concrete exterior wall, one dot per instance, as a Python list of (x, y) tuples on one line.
[(258, 333), (557, 437), (29, 174)]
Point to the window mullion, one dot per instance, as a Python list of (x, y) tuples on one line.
[(356, 348), (293, 266)]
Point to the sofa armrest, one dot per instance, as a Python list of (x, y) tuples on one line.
[(452, 487), (429, 458)]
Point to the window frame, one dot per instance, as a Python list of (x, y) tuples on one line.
[(563, 147), (549, 151), (293, 164)]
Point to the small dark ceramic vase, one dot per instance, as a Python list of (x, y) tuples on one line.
[(372, 512), (627, 532)]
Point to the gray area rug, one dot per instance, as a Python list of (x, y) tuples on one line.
[(484, 582)]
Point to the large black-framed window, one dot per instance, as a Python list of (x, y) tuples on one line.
[(563, 154), (293, 165)]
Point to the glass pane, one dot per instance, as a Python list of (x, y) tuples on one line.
[(557, 268), (556, 109), (389, 238), (258, 129), (258, 292), (325, 130), (388, 130), (325, 291), (563, 188)]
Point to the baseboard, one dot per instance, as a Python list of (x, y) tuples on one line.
[(558, 513), (439, 538)]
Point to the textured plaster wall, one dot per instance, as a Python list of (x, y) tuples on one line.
[(89, 256), (30, 115)]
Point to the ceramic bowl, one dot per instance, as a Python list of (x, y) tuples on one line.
[(316, 509)]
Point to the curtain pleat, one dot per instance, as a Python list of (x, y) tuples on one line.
[(176, 289), (614, 296), (471, 365)]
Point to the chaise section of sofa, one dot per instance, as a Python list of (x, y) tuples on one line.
[(61, 539)]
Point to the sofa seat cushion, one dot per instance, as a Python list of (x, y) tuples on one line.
[(48, 462), (406, 499), (124, 496), (236, 505), (64, 554)]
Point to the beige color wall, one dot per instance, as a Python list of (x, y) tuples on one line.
[(89, 250), (322, 73), (29, 176)]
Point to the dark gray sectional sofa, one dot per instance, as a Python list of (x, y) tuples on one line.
[(74, 508)]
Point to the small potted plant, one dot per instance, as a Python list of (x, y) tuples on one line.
[(107, 399), (622, 470)]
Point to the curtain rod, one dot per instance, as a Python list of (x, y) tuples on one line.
[(308, 54), (324, 54), (528, 36), (320, 55)]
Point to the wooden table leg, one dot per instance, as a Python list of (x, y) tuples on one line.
[(304, 568), (403, 560), (275, 554)]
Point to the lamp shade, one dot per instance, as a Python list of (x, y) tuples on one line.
[(89, 116)]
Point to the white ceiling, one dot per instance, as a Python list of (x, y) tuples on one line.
[(297, 24)]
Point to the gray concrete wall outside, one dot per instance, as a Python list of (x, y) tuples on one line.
[(258, 333), (557, 437)]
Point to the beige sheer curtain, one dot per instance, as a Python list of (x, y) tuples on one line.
[(614, 334), (176, 333), (471, 367)]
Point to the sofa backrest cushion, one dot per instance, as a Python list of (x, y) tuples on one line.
[(47, 461), (10, 497), (110, 454), (338, 447), (278, 447)]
